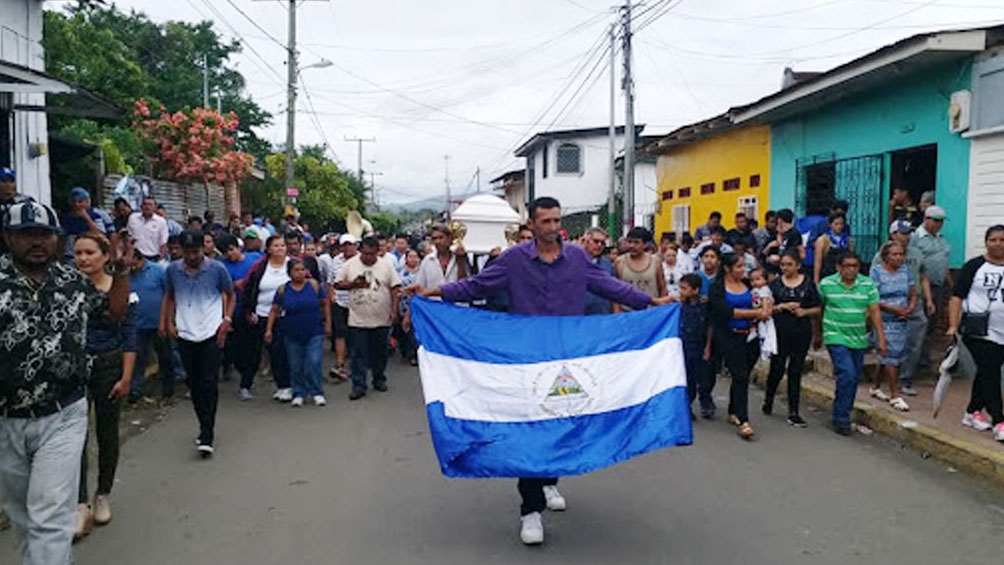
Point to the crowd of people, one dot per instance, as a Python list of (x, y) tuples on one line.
[(90, 298)]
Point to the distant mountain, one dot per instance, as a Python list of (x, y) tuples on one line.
[(435, 203)]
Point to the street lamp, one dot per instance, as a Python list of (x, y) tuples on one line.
[(291, 124)]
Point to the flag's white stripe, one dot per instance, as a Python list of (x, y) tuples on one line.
[(488, 392)]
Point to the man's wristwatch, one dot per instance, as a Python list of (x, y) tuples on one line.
[(228, 319)]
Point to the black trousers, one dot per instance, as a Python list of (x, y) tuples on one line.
[(202, 365), (532, 493), (793, 343), (252, 340), (989, 357), (739, 356), (105, 372)]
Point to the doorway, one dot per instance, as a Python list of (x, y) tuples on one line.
[(914, 169)]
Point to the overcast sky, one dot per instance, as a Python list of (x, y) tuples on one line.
[(473, 79)]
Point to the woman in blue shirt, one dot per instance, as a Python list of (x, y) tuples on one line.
[(302, 304), (734, 322), (111, 346)]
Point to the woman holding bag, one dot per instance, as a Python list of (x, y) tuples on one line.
[(976, 311), (306, 319)]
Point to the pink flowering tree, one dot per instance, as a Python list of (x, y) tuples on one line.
[(191, 145)]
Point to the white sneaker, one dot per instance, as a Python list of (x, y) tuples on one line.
[(531, 531), (999, 432), (320, 400), (297, 402), (283, 395), (244, 394), (977, 421), (102, 510), (899, 404), (555, 502), (879, 395), (205, 450)]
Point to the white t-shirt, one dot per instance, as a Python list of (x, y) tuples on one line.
[(980, 285), (431, 275), (370, 307), (271, 280), (673, 275)]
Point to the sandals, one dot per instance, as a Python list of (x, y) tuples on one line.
[(899, 404), (879, 395), (746, 430)]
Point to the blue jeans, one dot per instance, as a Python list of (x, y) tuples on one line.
[(847, 366), (305, 365), (39, 476), (149, 340), (368, 351)]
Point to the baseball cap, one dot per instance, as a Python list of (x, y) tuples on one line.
[(7, 173), (900, 226), (190, 239), (27, 215), (77, 193), (935, 212), (251, 232), (347, 238)]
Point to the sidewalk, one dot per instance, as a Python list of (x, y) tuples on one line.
[(944, 438)]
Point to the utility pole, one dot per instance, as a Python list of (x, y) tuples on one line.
[(360, 141), (449, 198), (291, 101), (477, 175), (373, 175), (205, 81), (612, 196), (629, 141)]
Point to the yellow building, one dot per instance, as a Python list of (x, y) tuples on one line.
[(711, 166)]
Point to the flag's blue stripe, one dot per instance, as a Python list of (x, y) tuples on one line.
[(561, 447), (491, 337)]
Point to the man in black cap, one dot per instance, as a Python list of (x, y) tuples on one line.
[(198, 312), (8, 196), (43, 367)]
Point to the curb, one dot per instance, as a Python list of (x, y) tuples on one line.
[(959, 453)]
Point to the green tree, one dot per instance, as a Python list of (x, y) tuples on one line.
[(325, 192), (126, 57)]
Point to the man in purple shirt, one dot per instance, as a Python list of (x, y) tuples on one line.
[(543, 277)]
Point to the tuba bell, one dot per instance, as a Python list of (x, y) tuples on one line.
[(357, 225)]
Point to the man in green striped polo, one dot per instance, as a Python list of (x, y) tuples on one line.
[(849, 299)]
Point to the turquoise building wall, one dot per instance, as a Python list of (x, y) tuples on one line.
[(909, 113)]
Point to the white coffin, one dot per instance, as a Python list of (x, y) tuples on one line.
[(486, 217)]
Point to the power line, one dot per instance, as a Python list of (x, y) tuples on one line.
[(255, 24), (317, 122), (223, 19)]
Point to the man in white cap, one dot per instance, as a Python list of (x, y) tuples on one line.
[(349, 245), (934, 251), (43, 367)]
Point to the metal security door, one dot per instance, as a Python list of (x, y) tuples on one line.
[(858, 180)]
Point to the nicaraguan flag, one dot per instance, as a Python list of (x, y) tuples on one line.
[(549, 396)]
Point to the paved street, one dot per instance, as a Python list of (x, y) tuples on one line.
[(358, 483)]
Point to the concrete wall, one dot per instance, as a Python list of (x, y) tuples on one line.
[(576, 192), (908, 114), (20, 43), (740, 153)]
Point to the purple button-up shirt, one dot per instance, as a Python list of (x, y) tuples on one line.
[(536, 287)]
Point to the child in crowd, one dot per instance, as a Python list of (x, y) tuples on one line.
[(695, 332), (763, 299)]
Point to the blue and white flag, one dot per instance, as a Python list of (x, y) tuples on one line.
[(549, 396)]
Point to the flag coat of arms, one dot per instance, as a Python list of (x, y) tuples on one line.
[(548, 396)]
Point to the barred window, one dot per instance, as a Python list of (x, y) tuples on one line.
[(569, 158)]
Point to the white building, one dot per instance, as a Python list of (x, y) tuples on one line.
[(986, 158), (23, 127), (574, 167)]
